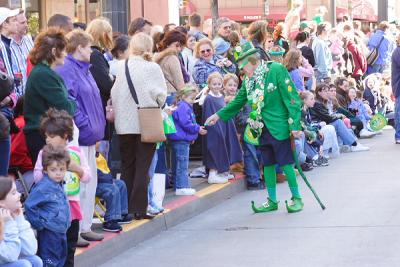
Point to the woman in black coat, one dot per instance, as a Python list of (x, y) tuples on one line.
[(101, 32)]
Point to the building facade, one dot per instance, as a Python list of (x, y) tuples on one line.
[(161, 12)]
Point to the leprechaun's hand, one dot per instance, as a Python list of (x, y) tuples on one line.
[(212, 120)]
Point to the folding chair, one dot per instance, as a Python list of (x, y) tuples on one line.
[(16, 172), (97, 203)]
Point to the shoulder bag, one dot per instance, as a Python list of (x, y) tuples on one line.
[(150, 118), (374, 54)]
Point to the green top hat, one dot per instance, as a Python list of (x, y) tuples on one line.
[(243, 52)]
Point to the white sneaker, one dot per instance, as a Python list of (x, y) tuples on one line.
[(185, 192), (359, 148), (345, 149), (364, 133), (214, 178), (228, 175)]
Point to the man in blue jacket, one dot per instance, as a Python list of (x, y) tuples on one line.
[(396, 88), (385, 48)]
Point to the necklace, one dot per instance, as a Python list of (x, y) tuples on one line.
[(255, 94)]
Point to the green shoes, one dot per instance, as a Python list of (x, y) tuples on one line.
[(296, 205), (266, 207)]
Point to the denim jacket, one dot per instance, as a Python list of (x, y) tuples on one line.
[(47, 206)]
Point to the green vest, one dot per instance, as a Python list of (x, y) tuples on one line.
[(282, 104)]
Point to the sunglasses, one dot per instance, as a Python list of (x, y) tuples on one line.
[(205, 51)]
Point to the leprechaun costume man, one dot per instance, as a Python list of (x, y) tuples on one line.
[(276, 114)]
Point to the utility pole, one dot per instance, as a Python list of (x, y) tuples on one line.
[(214, 15), (333, 12), (383, 6)]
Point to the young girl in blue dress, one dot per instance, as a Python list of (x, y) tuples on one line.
[(187, 132), (221, 147)]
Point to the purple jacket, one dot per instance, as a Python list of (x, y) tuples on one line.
[(89, 115), (185, 123)]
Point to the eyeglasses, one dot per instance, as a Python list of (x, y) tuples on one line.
[(205, 51), (227, 27)]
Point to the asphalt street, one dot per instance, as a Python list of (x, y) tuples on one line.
[(360, 227)]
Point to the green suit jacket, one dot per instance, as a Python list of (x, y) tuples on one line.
[(282, 105)]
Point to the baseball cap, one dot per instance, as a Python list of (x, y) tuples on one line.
[(6, 13)]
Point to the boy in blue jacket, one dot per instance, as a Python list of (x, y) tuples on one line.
[(114, 194), (47, 207)]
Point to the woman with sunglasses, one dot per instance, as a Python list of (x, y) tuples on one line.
[(209, 62), (319, 113)]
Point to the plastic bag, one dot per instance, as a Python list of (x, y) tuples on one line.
[(169, 125)]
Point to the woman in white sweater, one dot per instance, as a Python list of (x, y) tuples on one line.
[(148, 80), (18, 244)]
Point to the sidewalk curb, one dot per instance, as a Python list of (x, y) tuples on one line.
[(178, 211)]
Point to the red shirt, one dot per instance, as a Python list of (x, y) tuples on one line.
[(19, 150)]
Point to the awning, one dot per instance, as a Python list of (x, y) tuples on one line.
[(361, 10), (239, 14)]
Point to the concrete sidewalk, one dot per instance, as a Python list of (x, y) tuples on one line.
[(360, 227), (177, 210)]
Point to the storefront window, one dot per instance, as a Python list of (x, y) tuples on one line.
[(31, 7), (86, 10)]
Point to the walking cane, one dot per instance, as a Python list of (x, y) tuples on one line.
[(296, 159)]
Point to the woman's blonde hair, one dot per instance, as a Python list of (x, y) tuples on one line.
[(141, 45), (230, 76), (201, 42), (101, 31), (292, 58), (305, 95), (214, 75), (77, 38)]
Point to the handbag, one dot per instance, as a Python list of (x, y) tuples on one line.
[(150, 118), (374, 54), (6, 85), (110, 114)]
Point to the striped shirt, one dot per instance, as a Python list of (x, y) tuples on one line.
[(19, 56), (16, 65)]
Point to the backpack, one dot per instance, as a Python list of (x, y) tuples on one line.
[(374, 54)]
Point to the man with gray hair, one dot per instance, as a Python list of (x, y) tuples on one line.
[(221, 40)]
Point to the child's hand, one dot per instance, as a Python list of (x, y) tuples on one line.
[(297, 134), (5, 214), (74, 167), (16, 213), (170, 109), (202, 130)]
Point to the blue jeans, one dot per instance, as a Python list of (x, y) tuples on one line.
[(52, 247), (152, 170), (300, 143), (343, 132), (5, 146), (397, 118), (31, 261), (116, 197), (251, 159), (180, 163)]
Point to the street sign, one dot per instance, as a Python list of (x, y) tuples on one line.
[(266, 7)]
